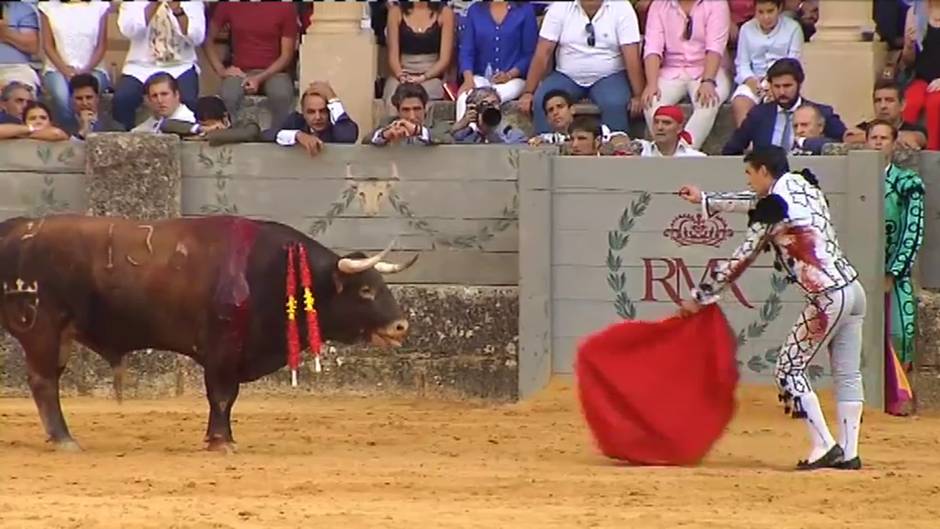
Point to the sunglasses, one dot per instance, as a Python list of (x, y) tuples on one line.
[(687, 34), (591, 40)]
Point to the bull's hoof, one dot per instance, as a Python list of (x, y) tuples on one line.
[(67, 445), (222, 446)]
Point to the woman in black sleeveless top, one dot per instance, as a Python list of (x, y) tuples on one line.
[(922, 53), (420, 39)]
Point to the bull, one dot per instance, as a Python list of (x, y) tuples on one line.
[(210, 288)]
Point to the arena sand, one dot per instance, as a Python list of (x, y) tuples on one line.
[(361, 462)]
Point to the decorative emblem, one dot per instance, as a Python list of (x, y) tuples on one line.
[(689, 229), (21, 287), (617, 241)]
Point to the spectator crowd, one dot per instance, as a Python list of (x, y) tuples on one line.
[(635, 61)]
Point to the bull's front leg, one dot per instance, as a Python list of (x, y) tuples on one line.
[(47, 354), (221, 391)]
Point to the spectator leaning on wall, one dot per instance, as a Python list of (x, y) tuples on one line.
[(322, 119), (407, 127), (86, 99), (37, 125), (163, 98), (13, 99), (213, 124)]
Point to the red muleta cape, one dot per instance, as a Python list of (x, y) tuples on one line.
[(659, 393)]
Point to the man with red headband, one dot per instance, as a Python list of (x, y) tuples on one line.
[(669, 137)]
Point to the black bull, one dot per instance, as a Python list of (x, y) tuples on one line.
[(210, 288)]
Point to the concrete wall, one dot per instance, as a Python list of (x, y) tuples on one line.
[(461, 217), (622, 245), (477, 215)]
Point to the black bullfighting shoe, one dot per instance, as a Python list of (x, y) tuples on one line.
[(852, 464), (831, 459)]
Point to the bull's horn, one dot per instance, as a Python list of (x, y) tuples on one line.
[(348, 265), (393, 268)]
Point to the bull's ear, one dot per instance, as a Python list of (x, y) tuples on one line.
[(338, 281)]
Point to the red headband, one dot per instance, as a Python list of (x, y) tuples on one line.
[(674, 112), (670, 111)]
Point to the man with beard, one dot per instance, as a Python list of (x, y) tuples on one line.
[(772, 123)]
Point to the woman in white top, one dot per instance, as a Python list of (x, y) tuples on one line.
[(74, 39)]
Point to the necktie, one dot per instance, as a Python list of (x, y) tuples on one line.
[(786, 138)]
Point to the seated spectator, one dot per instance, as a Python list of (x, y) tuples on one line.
[(888, 102), (669, 138), (585, 132), (420, 47), (163, 38), (772, 123), (922, 54), (214, 124), (741, 11), (684, 47), (74, 39), (762, 41), (483, 120), (164, 100), (263, 36), (323, 120), (13, 100), (85, 118), (594, 39), (19, 40), (559, 110), (890, 17), (496, 47), (806, 13), (808, 124), (37, 125), (407, 126)]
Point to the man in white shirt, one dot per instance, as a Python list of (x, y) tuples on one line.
[(163, 98), (668, 137), (598, 56), (163, 38)]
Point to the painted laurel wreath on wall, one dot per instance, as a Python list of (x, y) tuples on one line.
[(617, 240)]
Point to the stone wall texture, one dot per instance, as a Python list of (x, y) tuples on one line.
[(463, 343)]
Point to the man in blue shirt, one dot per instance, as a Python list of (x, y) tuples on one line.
[(13, 99), (19, 41)]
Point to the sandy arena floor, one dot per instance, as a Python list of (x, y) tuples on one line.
[(356, 462)]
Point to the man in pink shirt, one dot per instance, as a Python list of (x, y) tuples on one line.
[(685, 46)]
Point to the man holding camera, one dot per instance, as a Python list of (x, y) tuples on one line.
[(483, 121)]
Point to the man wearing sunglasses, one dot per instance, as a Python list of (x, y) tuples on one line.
[(685, 44), (597, 56)]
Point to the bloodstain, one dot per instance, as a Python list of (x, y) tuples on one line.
[(802, 247), (232, 293)]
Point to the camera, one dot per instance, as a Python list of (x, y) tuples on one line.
[(489, 114)]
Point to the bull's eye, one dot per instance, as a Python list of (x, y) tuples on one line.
[(366, 292)]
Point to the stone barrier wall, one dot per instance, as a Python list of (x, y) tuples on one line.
[(459, 207)]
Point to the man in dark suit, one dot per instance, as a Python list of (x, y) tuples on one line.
[(86, 100), (772, 123), (324, 120)]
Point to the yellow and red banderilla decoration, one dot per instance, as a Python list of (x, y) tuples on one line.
[(297, 250)]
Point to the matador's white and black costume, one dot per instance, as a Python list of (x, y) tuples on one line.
[(793, 221)]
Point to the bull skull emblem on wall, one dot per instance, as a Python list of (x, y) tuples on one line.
[(371, 191)]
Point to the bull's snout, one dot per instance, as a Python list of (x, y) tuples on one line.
[(392, 334), (397, 329)]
